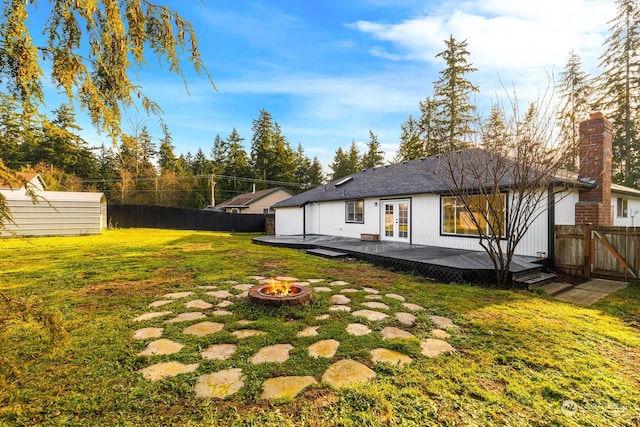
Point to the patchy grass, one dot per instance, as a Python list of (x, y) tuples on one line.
[(519, 356)]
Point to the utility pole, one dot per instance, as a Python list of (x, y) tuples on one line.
[(213, 191)]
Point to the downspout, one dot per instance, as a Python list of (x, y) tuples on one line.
[(551, 230)]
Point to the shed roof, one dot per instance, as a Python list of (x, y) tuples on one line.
[(421, 176)]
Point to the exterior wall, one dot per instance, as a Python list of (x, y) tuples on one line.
[(328, 218), (56, 214), (565, 208), (266, 202), (633, 209)]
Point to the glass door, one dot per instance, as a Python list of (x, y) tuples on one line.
[(396, 220)]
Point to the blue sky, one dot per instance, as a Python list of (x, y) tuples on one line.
[(329, 71)]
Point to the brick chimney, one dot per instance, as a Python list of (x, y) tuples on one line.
[(594, 205)]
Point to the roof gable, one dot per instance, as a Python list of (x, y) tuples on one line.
[(247, 199)]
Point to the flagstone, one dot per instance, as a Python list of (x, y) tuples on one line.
[(384, 355), (442, 322), (221, 313), (395, 296), (340, 308), (219, 352), (246, 333), (338, 283), (370, 290), (285, 387), (224, 304), (244, 287), (207, 287), (203, 328), (370, 315), (149, 316), (177, 295), (406, 319), (349, 291), (220, 294), (256, 277), (346, 372), (412, 307), (376, 304), (322, 289), (440, 334), (231, 282), (286, 279), (272, 353), (310, 331), (144, 333), (160, 347), (245, 322), (220, 384), (242, 295), (167, 369), (390, 333), (324, 348), (339, 299), (198, 303), (301, 284), (358, 329), (315, 280), (373, 296), (323, 316), (185, 317), (434, 347), (159, 303)]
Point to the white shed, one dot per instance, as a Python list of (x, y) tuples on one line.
[(56, 213)]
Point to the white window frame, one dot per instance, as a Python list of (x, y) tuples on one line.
[(351, 214)]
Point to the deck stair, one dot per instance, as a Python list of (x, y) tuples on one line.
[(326, 253), (533, 278)]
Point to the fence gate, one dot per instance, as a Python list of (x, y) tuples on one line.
[(608, 252)]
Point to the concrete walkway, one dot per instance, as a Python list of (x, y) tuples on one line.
[(585, 293)]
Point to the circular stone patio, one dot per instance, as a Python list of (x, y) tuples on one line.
[(207, 313)]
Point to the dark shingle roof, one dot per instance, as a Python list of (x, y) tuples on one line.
[(402, 179)]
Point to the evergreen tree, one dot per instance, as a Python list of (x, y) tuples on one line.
[(271, 155), (429, 134), (575, 104), (345, 163), (620, 86), (374, 156), (315, 176), (411, 146), (166, 155), (493, 130), (219, 154), (456, 113), (13, 133), (236, 166), (303, 168)]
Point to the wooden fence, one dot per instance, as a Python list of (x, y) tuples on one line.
[(594, 251), (143, 216)]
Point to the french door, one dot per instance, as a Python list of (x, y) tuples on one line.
[(395, 220)]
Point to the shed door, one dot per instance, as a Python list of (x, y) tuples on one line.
[(395, 220)]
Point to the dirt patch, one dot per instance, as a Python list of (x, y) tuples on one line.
[(195, 247), (141, 288), (569, 278)]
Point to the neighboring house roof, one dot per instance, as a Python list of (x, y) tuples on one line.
[(402, 179), (245, 200), (621, 189), (32, 178)]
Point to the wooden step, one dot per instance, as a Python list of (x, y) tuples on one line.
[(534, 280), (326, 253)]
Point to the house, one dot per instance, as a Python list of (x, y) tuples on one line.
[(256, 202), (409, 202), (55, 213)]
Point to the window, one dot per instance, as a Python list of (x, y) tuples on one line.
[(355, 211), (622, 207), (457, 219)]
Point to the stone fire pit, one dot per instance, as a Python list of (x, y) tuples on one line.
[(277, 293)]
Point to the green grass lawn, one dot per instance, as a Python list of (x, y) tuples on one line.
[(519, 356)]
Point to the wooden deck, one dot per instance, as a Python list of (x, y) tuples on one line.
[(445, 264)]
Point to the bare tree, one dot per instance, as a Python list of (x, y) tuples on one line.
[(496, 192)]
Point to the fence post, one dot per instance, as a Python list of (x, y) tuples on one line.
[(588, 254)]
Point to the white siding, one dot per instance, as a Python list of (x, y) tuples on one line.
[(56, 213), (633, 211), (288, 221), (565, 208)]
